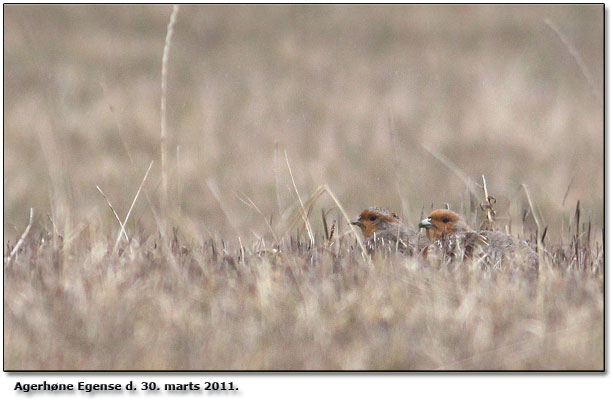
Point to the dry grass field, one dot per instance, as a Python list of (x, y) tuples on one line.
[(404, 107)]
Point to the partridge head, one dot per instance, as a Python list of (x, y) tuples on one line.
[(441, 223)]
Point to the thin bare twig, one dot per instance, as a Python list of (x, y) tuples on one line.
[(568, 189), (132, 206), (488, 204), (23, 237), (305, 216), (163, 139), (536, 219), (114, 213), (539, 242)]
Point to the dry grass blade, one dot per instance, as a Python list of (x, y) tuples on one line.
[(132, 206), (575, 54), (296, 212), (532, 209), (215, 191), (247, 201), (120, 131), (114, 213), (449, 164), (307, 204), (539, 242), (568, 189), (325, 224), (305, 216), (396, 169), (577, 230), (163, 138), (277, 183), (316, 194), (488, 204), (348, 220), (23, 236)]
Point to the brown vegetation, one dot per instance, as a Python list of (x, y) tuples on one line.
[(401, 106)]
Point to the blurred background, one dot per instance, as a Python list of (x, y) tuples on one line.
[(395, 106)]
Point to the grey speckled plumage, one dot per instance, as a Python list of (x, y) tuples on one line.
[(488, 248), (398, 237)]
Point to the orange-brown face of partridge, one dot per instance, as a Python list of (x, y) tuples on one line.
[(375, 219), (443, 222)]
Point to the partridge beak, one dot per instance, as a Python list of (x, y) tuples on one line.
[(356, 221), (426, 223)]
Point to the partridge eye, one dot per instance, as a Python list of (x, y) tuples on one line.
[(372, 217), (445, 220)]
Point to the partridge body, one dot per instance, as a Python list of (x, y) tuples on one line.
[(451, 235)]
